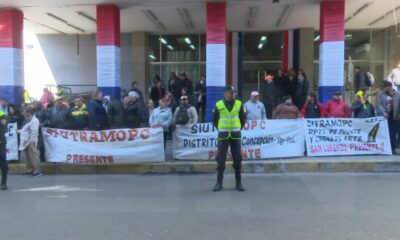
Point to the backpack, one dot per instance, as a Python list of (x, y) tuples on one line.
[(370, 79), (183, 116)]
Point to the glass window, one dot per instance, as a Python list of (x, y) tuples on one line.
[(262, 46), (154, 48), (180, 48)]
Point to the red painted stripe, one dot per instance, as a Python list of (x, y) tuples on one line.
[(230, 58), (108, 25), (332, 21), (11, 28), (216, 22), (285, 51)]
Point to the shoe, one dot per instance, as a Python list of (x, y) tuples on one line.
[(217, 187), (27, 173), (37, 174), (3, 187), (239, 187)]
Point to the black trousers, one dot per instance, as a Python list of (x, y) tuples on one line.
[(223, 145), (3, 160), (269, 108)]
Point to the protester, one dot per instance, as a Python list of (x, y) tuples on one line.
[(14, 116), (47, 97), (360, 80), (254, 108), (200, 91), (132, 111), (59, 115), (150, 106), (106, 102), (286, 110), (291, 80), (171, 102), (3, 150), (301, 89), (185, 113), (42, 115), (135, 88), (268, 97), (175, 86), (394, 76), (97, 113), (361, 107), (280, 85), (157, 93), (29, 142), (337, 107), (162, 117), (187, 87), (388, 106), (312, 108), (79, 115), (114, 113), (3, 106)]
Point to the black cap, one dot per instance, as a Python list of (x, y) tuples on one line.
[(229, 88), (387, 84)]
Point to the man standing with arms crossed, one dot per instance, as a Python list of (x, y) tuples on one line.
[(229, 118)]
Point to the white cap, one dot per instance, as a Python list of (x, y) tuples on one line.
[(133, 94), (107, 97), (254, 94)]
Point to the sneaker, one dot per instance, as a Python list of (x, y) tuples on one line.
[(3, 187), (37, 174)]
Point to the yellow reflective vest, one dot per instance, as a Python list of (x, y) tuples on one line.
[(229, 121)]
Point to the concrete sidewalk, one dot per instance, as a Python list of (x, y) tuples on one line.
[(304, 164)]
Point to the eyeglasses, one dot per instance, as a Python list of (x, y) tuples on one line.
[(184, 99)]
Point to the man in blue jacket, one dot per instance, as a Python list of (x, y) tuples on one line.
[(97, 113)]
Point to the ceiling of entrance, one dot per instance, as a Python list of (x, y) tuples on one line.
[(189, 16)]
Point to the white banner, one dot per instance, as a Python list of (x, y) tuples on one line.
[(12, 142), (260, 140), (104, 147), (345, 136)]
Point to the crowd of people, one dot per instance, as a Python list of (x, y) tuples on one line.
[(285, 95)]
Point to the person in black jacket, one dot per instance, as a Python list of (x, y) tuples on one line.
[(114, 113), (175, 86), (187, 87), (360, 81), (268, 97), (301, 89), (97, 113), (133, 110), (3, 150), (79, 115), (361, 107), (157, 92)]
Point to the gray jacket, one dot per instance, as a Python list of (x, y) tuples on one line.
[(381, 104)]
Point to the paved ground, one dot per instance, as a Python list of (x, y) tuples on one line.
[(289, 206)]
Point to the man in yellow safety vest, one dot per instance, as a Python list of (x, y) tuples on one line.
[(229, 118)]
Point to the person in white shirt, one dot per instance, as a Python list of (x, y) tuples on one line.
[(29, 141), (394, 77), (254, 108)]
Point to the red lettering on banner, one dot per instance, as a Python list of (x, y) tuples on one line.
[(121, 135), (145, 133), (90, 159), (93, 137), (64, 134), (262, 124), (132, 134), (83, 136), (258, 153), (253, 124), (74, 135), (109, 138)]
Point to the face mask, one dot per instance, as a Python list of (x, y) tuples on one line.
[(201, 81), (301, 78)]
